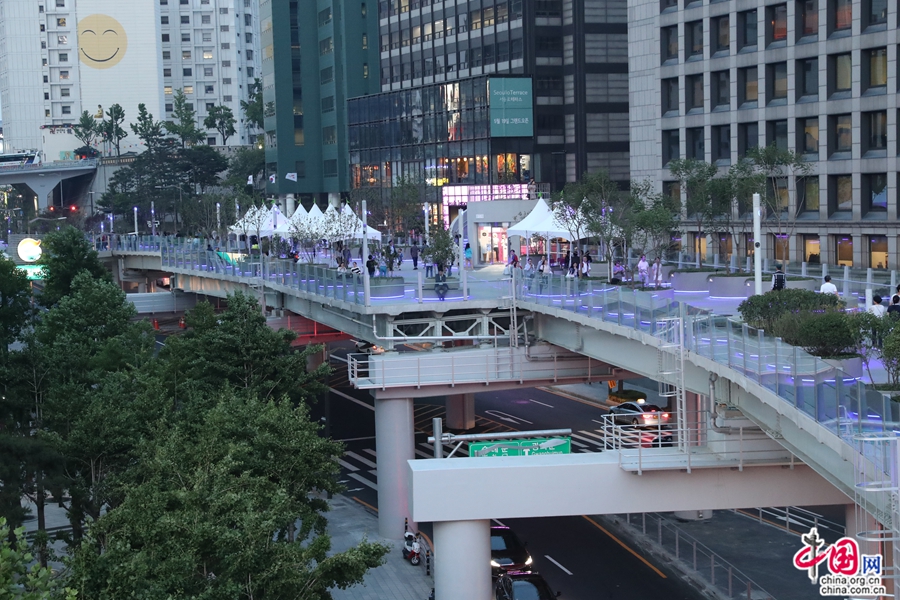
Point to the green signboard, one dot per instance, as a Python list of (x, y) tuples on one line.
[(529, 447), (512, 110), (34, 272)]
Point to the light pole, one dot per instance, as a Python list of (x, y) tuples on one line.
[(218, 217), (91, 194), (153, 218), (427, 218), (135, 221), (757, 255)]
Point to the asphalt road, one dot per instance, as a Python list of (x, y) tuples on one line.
[(576, 555)]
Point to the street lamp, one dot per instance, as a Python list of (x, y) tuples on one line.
[(218, 216), (153, 218), (135, 221), (91, 194)]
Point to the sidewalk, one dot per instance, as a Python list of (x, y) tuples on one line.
[(397, 579)]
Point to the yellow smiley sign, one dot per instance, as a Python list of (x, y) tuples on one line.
[(101, 41)]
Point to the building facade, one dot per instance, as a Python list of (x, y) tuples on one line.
[(819, 77), (61, 57), (315, 57)]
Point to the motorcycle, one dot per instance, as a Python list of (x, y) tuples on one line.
[(412, 549)]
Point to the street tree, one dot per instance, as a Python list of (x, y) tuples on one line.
[(610, 213), (202, 167), (655, 218), (441, 248), (735, 192), (222, 120), (253, 105), (245, 163), (783, 170), (20, 577), (111, 127), (15, 305), (570, 209), (66, 253), (87, 129), (149, 130), (400, 211), (184, 123), (694, 177)]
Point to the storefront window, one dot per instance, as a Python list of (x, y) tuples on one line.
[(843, 250), (811, 249), (492, 246), (780, 247), (878, 252)]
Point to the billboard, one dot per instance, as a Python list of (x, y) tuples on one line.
[(512, 107)]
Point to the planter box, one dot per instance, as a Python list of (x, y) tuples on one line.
[(806, 284), (730, 287), (691, 282), (852, 367), (387, 287)]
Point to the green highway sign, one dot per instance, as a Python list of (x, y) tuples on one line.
[(529, 447), (34, 272)]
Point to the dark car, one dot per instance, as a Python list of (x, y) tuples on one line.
[(508, 553), (634, 413), (522, 586)]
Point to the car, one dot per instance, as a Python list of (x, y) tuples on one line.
[(523, 586), (508, 553), (634, 413)]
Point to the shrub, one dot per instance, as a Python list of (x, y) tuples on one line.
[(763, 311), (890, 357), (826, 334)]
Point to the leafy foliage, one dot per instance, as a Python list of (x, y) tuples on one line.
[(86, 130), (15, 305), (253, 106), (66, 253), (111, 127), (149, 130), (695, 178), (441, 248), (184, 124), (827, 334), (244, 163), (764, 310), (20, 578), (222, 120)]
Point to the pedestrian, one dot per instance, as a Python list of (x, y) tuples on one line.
[(778, 279), (429, 264), (877, 308), (347, 254), (656, 272), (894, 309), (468, 255), (370, 266), (828, 287), (585, 267), (414, 255), (568, 260), (514, 260), (643, 270)]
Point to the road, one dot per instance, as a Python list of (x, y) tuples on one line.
[(576, 555)]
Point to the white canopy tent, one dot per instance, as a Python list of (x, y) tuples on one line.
[(370, 232), (243, 224), (540, 221), (285, 225)]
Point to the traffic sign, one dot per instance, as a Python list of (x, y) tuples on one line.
[(529, 447)]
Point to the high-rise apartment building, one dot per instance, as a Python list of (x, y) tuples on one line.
[(61, 57), (819, 77), (315, 57)]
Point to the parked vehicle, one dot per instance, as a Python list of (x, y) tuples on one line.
[(638, 414), (412, 548), (523, 586), (508, 553)]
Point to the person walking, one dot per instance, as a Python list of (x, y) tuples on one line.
[(778, 279), (370, 266), (828, 287), (467, 252), (877, 308), (643, 271), (414, 255), (656, 272)]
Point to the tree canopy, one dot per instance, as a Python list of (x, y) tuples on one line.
[(66, 253)]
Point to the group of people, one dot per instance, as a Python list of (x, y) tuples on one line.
[(647, 273)]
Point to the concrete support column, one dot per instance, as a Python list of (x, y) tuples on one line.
[(290, 206), (462, 551), (395, 446), (460, 411), (334, 199)]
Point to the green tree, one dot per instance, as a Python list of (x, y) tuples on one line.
[(246, 162), (253, 105), (222, 120), (15, 305), (66, 253), (610, 213), (401, 210), (202, 166), (111, 128), (87, 130), (20, 578), (441, 248), (149, 130), (184, 125), (655, 218), (694, 177)]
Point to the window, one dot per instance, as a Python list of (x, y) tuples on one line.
[(874, 192), (329, 135), (61, 22), (207, 71), (748, 85), (167, 90), (721, 142), (248, 20), (46, 79), (693, 90), (843, 245), (808, 78), (204, 19), (207, 55), (842, 14), (808, 14), (841, 127), (210, 106), (63, 75), (164, 20), (808, 198), (721, 33), (188, 89), (167, 55), (877, 67), (747, 29), (878, 252), (670, 95), (365, 41), (185, 55), (808, 136), (328, 104), (63, 57), (694, 31), (777, 133), (223, 28), (841, 73), (695, 143), (365, 71), (44, 62), (187, 72), (721, 89), (326, 75), (249, 54), (748, 137), (167, 72), (330, 168), (326, 46), (60, 3), (225, 46), (185, 19), (185, 37), (841, 187), (226, 98), (208, 89), (65, 92), (223, 11), (226, 63), (67, 110), (226, 80), (46, 110), (875, 130), (777, 82), (165, 38), (876, 13), (776, 24), (324, 16), (670, 43), (778, 188), (670, 143)]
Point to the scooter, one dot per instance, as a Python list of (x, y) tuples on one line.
[(412, 549)]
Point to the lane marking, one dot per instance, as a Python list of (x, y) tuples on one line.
[(541, 403), (583, 439), (564, 570), (573, 398), (423, 454), (370, 451), (621, 543), (352, 399), (579, 444), (593, 435), (498, 522), (347, 465), (364, 481), (361, 459), (596, 421), (497, 414)]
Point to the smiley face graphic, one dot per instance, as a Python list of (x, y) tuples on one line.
[(101, 41), (29, 250)]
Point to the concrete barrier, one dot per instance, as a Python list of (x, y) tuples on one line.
[(692, 281), (730, 287)]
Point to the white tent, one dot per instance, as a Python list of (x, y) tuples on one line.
[(285, 225), (542, 222), (370, 232), (248, 223)]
